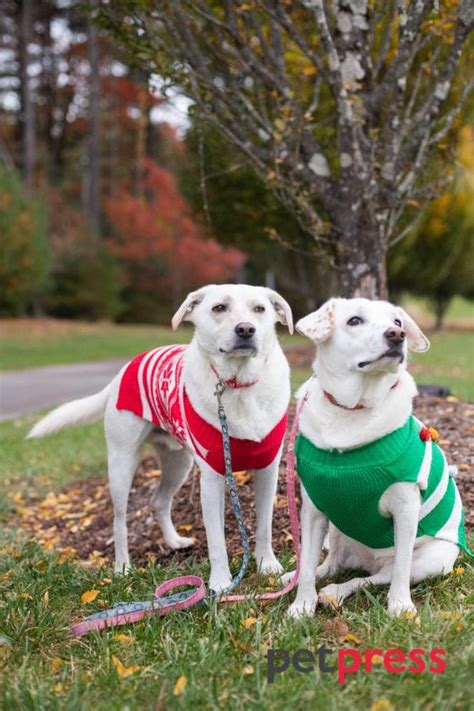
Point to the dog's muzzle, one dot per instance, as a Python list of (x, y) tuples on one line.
[(395, 352)]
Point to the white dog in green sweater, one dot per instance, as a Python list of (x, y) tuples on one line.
[(368, 468)]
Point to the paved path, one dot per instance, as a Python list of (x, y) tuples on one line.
[(25, 391)]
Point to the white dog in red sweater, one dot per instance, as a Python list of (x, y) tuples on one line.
[(166, 397)]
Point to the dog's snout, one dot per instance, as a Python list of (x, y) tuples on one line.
[(244, 330), (394, 335)]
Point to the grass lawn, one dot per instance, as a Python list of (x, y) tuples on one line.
[(214, 657), (218, 653), (220, 650), (29, 343)]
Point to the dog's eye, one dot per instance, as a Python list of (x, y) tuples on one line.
[(219, 308), (355, 321), (397, 322), (259, 309)]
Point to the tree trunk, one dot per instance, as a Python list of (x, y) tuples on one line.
[(441, 306), (27, 109), (93, 187), (361, 253)]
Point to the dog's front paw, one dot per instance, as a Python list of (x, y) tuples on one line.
[(122, 568), (301, 608), (397, 606), (219, 581), (269, 565), (287, 578), (177, 542)]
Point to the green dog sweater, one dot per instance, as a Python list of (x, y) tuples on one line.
[(347, 486)]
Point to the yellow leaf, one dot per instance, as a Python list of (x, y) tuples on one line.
[(180, 685), (89, 596), (58, 688), (249, 622), (26, 596), (56, 664), (331, 600), (409, 614), (46, 598), (123, 638), (185, 527), (309, 71), (349, 637), (458, 571), (377, 659), (248, 669), (381, 705), (122, 670)]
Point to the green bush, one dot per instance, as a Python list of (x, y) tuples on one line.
[(85, 285), (24, 247)]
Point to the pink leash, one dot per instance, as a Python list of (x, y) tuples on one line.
[(123, 613)]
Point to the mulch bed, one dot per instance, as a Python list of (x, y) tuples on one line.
[(78, 518)]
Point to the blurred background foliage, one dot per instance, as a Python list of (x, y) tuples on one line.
[(107, 211)]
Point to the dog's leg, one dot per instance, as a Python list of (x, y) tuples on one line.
[(314, 525), (402, 502), (175, 467), (125, 434), (212, 502), (265, 483), (432, 558), (338, 592)]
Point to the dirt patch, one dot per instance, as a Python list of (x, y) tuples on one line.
[(78, 518)]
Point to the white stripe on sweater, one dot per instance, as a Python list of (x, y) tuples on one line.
[(450, 530), (433, 500)]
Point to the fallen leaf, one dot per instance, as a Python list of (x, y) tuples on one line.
[(377, 659), (459, 570), (185, 527), (249, 622), (309, 71), (241, 645), (332, 601), (56, 664), (46, 598), (180, 685), (336, 628), (89, 596), (382, 705), (123, 638), (349, 637), (122, 670), (248, 669)]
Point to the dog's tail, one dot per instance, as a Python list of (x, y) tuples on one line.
[(87, 409)]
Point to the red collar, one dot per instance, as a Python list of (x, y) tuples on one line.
[(233, 382), (333, 400)]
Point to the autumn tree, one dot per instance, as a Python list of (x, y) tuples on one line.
[(163, 251), (338, 106)]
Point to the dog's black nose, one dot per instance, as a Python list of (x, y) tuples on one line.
[(394, 335), (244, 330)]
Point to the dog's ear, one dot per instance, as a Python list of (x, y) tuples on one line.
[(416, 339), (191, 301), (282, 308), (319, 324)]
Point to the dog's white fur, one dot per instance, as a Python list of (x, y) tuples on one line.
[(251, 413), (349, 366)]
